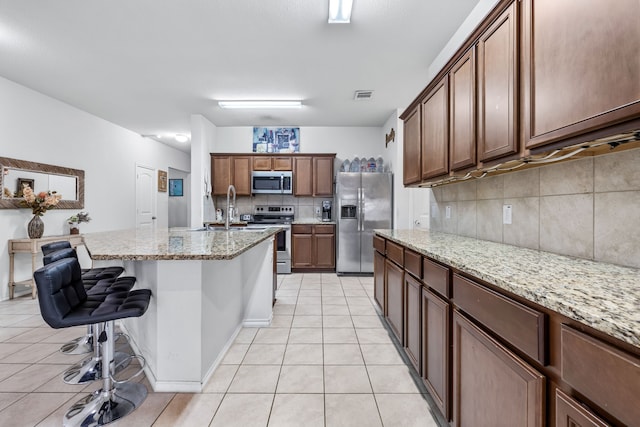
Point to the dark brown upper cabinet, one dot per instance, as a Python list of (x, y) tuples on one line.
[(579, 67), (435, 131), (462, 119), (411, 156), (498, 87)]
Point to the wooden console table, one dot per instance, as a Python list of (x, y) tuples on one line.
[(33, 246)]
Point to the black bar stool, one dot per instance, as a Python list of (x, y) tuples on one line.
[(64, 303), (89, 273), (90, 368), (57, 250)]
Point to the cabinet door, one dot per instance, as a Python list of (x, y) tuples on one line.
[(325, 250), (242, 175), (435, 131), (436, 369), (220, 175), (498, 87), (262, 163), (412, 320), (301, 250), (491, 385), (394, 277), (411, 148), (279, 163), (378, 279), (569, 413), (579, 66), (303, 176), (462, 119), (323, 176)]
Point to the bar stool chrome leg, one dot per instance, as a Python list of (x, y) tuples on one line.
[(114, 400), (90, 369)]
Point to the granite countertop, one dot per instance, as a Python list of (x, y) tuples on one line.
[(312, 221), (222, 223), (603, 296), (173, 244)]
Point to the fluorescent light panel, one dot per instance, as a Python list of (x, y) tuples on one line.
[(260, 104), (340, 11)]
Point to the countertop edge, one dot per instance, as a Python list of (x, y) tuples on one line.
[(535, 294)]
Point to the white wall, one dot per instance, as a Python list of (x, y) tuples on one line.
[(179, 206), (346, 142), (41, 129)]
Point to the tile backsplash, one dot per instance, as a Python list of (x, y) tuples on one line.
[(304, 206), (588, 208)]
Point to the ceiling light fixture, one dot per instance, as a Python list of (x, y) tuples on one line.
[(181, 137), (340, 11), (260, 104)]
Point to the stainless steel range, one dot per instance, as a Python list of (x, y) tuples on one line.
[(282, 216)]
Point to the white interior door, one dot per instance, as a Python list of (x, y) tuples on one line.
[(145, 196)]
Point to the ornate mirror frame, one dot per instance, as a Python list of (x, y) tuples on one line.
[(6, 162)]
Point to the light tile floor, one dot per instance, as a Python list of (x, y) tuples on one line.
[(327, 360)]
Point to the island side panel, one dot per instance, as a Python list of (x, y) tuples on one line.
[(222, 310), (257, 267), (143, 331)]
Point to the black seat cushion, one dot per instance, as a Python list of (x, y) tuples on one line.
[(54, 246), (89, 276), (64, 301)]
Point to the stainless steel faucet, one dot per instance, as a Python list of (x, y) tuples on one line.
[(230, 208)]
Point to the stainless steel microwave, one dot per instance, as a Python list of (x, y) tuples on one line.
[(273, 182)]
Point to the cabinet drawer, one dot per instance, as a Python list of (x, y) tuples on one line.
[(379, 244), (301, 229), (395, 253), (609, 377), (324, 229), (570, 412), (413, 263), (436, 277), (521, 326)]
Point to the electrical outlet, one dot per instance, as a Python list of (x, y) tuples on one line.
[(447, 212), (317, 210), (507, 213)]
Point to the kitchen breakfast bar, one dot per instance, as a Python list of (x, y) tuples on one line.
[(206, 286)]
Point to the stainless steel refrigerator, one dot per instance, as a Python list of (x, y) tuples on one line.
[(365, 202)]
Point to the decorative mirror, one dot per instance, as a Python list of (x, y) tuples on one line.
[(40, 177)]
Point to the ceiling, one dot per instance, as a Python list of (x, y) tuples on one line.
[(148, 65)]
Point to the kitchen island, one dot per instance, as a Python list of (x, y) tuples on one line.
[(206, 285)]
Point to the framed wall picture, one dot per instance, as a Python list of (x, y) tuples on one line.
[(162, 181), (21, 183), (175, 187), (276, 140)]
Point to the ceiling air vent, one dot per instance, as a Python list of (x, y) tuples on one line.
[(362, 95)]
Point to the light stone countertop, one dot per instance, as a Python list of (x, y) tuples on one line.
[(312, 221), (173, 244), (603, 296)]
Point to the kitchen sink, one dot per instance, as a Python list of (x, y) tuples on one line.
[(243, 229)]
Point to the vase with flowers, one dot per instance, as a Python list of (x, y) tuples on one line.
[(74, 221), (39, 204)]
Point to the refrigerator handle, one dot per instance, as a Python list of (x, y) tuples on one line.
[(361, 207)]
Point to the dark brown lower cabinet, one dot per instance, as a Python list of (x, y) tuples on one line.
[(436, 341), (378, 279), (491, 385), (394, 278), (412, 320), (569, 413)]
